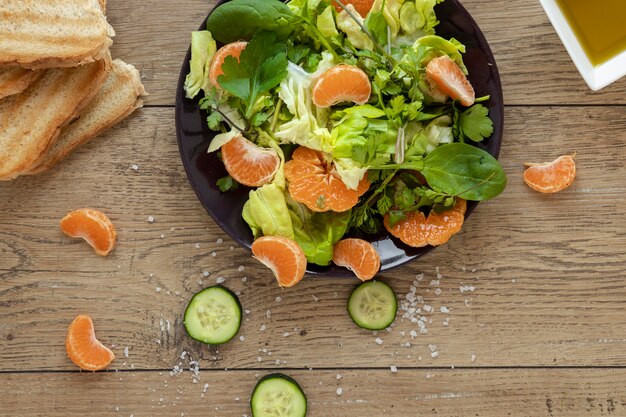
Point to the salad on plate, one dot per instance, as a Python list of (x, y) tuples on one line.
[(345, 118)]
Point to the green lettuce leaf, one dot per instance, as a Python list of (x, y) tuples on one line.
[(437, 46), (317, 233), (203, 49), (266, 212), (353, 31)]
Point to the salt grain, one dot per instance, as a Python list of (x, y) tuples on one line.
[(205, 273), (339, 376), (197, 246), (278, 299), (241, 268), (135, 167), (339, 391), (219, 241), (242, 338), (220, 280), (151, 219), (262, 328), (394, 369), (126, 351), (378, 341), (158, 289), (467, 288), (213, 254), (444, 309)]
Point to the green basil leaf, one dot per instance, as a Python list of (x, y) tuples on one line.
[(464, 171)]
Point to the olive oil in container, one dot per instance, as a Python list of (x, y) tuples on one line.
[(599, 25)]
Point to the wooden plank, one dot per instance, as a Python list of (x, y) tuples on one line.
[(547, 271), (485, 393), (535, 68)]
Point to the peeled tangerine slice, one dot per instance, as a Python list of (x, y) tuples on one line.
[(551, 177), (450, 80), (358, 256), (93, 226), (248, 163), (342, 83), (283, 256), (83, 348)]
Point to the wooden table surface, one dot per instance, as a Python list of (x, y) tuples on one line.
[(526, 317)]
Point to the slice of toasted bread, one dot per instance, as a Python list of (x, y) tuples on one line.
[(116, 100), (14, 80), (30, 121), (52, 33)]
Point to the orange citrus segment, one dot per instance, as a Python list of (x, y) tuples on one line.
[(232, 49), (83, 348), (342, 83), (551, 177), (361, 6), (417, 230), (358, 256), (411, 230), (315, 183), (442, 226), (283, 256), (450, 80), (248, 163), (93, 226)]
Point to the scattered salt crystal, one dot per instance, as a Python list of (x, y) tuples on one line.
[(339, 391), (419, 277), (231, 247), (205, 273), (438, 291), (219, 241), (162, 236), (467, 288), (220, 280), (286, 334), (339, 376), (268, 314), (158, 289), (444, 309), (241, 268), (259, 359), (151, 219), (262, 328), (473, 357), (197, 246), (135, 167), (394, 369), (242, 338), (428, 375), (413, 334), (213, 254), (434, 354), (378, 340), (126, 351), (434, 283), (432, 347), (315, 299), (428, 308), (513, 280)]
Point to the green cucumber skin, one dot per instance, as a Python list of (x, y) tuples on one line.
[(238, 306), (287, 378), (357, 321)]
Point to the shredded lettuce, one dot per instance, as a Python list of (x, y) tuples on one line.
[(437, 46), (355, 35), (203, 49), (326, 23)]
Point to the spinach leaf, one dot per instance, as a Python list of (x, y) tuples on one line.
[(464, 171), (241, 19)]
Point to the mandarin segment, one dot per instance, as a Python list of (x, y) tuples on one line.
[(232, 49), (93, 226), (248, 163), (551, 177), (83, 348), (283, 256), (450, 80), (361, 6), (315, 183), (417, 230), (358, 256), (342, 83)]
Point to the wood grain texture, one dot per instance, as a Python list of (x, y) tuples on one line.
[(453, 393), (534, 65), (547, 270)]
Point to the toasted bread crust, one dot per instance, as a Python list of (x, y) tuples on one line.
[(119, 97), (42, 111), (40, 34), (14, 80)]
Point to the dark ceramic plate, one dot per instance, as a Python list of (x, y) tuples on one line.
[(204, 170)]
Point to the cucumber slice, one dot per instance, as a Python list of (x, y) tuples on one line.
[(213, 316), (373, 305), (278, 395)]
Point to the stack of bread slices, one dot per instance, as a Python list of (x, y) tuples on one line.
[(59, 87)]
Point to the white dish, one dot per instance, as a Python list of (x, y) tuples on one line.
[(596, 77)]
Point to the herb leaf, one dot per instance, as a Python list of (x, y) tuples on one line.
[(261, 67), (473, 124), (227, 184)]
